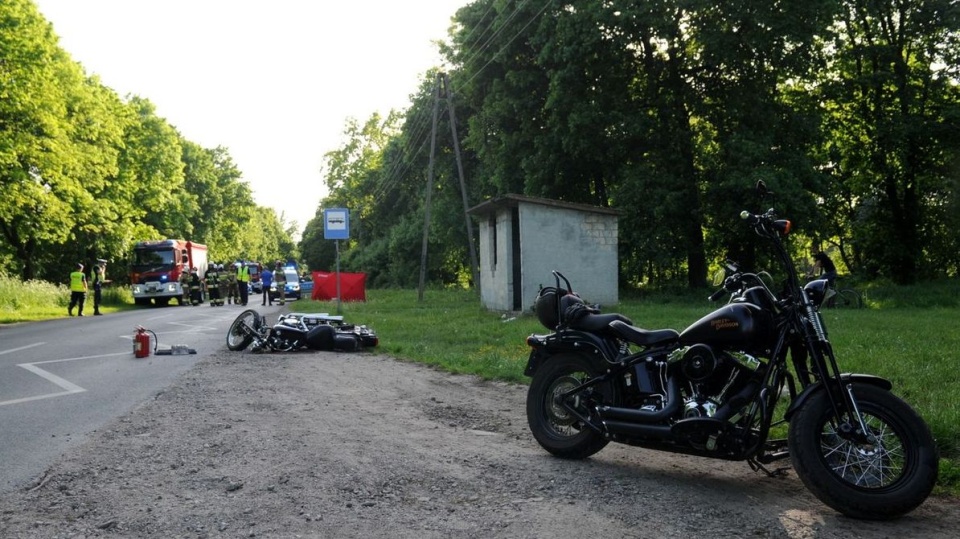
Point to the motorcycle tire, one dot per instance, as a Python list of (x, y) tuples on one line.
[(878, 481), (239, 335), (555, 428)]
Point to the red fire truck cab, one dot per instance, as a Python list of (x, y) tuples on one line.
[(157, 266)]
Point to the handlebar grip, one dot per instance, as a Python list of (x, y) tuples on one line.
[(717, 295)]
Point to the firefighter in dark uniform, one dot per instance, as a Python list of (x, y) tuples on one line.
[(185, 287), (212, 280), (222, 284), (233, 291), (196, 292), (280, 278)]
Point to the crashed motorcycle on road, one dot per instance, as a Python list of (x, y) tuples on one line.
[(713, 390), (295, 331)]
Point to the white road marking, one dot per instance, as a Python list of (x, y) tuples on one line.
[(12, 350), (68, 386)]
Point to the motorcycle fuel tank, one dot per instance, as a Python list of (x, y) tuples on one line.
[(737, 325)]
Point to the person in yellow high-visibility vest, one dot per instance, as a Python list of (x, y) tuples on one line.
[(243, 282), (78, 290)]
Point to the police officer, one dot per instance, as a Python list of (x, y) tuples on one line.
[(78, 290), (97, 286)]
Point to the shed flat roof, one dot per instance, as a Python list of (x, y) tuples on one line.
[(513, 200)]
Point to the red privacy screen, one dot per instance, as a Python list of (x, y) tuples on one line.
[(352, 286)]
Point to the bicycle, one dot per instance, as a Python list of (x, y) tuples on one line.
[(844, 298), (838, 298)]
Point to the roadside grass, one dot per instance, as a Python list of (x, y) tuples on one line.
[(29, 301)]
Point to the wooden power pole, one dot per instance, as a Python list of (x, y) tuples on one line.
[(443, 80)]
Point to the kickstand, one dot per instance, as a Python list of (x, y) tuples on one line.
[(756, 466)]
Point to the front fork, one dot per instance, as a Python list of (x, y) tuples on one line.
[(825, 362)]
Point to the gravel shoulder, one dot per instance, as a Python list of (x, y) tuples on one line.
[(320, 444)]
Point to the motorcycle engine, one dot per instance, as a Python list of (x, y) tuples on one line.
[(285, 338), (712, 377)]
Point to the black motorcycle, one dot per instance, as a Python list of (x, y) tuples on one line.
[(294, 331), (712, 390)]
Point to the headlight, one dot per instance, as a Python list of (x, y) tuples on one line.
[(137, 289), (816, 290)]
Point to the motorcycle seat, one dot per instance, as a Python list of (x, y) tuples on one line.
[(643, 337), (597, 322)]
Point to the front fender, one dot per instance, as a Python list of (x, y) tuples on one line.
[(870, 379)]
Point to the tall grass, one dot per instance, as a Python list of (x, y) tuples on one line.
[(24, 301)]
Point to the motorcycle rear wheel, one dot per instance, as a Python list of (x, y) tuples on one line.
[(240, 334), (555, 428), (876, 481)]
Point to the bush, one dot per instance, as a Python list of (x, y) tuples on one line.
[(17, 295)]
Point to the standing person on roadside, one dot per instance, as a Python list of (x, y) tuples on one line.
[(185, 286), (233, 291), (266, 279), (97, 286), (281, 279), (243, 282), (78, 290), (222, 284), (196, 287), (212, 281)]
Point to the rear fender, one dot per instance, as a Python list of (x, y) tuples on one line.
[(542, 347), (847, 378)]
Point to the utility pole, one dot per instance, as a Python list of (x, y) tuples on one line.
[(443, 80), (426, 216), (474, 266)]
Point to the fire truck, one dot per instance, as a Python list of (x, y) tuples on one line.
[(157, 266)]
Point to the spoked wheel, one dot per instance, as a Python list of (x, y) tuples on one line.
[(556, 427), (881, 476), (241, 332), (846, 299)]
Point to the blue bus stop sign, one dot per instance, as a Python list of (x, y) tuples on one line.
[(336, 224)]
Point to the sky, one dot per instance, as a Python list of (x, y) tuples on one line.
[(273, 82)]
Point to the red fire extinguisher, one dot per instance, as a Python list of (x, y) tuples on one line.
[(141, 342)]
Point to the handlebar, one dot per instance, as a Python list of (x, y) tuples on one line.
[(749, 217), (717, 295)]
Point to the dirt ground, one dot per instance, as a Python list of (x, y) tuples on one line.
[(317, 444)]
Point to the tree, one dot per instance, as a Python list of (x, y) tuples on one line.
[(57, 139), (893, 110)]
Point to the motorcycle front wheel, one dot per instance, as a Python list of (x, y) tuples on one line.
[(555, 427), (242, 330), (880, 479)]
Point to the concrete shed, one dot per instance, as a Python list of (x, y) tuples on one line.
[(523, 239)]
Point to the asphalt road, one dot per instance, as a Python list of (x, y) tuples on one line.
[(61, 380)]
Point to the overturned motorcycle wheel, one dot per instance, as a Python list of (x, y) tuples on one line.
[(241, 332), (881, 478), (555, 427)]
